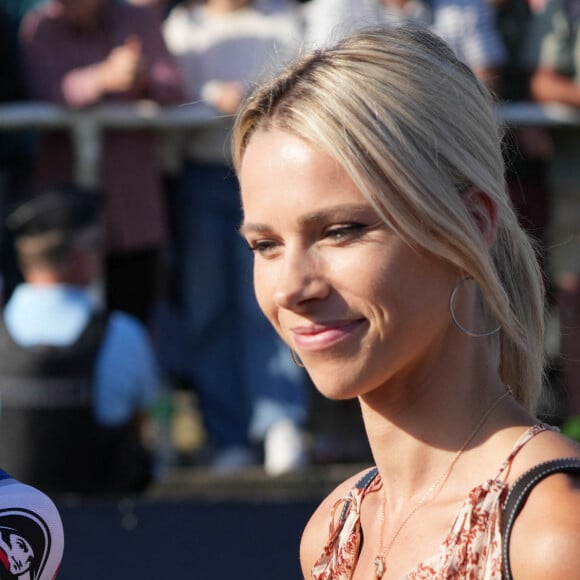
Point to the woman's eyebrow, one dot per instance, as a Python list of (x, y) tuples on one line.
[(342, 211), (246, 228)]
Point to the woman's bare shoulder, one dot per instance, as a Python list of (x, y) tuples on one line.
[(546, 535), (316, 532), (545, 446)]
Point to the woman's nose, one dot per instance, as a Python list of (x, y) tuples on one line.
[(301, 279)]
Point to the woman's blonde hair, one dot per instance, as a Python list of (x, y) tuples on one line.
[(416, 130)]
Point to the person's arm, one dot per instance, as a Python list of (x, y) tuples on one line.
[(549, 86), (127, 380), (549, 56), (122, 71), (164, 79), (546, 534), (225, 96)]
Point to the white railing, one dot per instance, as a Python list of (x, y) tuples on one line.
[(86, 126)]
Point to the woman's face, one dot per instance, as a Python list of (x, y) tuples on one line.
[(359, 306)]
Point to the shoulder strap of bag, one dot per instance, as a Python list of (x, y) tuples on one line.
[(518, 494)]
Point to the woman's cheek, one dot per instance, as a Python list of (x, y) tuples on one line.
[(264, 289)]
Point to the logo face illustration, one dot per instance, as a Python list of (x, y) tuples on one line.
[(24, 544)]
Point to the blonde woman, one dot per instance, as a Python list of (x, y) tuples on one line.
[(389, 259)]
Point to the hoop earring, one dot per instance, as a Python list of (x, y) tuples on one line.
[(296, 359), (456, 321)]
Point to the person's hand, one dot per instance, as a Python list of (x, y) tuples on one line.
[(81, 87), (122, 70), (227, 97)]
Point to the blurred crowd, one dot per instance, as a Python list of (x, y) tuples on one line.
[(143, 287)]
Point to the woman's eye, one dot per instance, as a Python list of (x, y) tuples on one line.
[(345, 232), (262, 247)]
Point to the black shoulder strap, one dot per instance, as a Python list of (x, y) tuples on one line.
[(367, 478), (518, 494)]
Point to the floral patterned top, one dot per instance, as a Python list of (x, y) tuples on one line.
[(472, 549)]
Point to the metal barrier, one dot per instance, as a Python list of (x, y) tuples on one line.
[(87, 125)]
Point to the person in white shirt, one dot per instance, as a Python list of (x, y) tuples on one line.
[(467, 26), (250, 392)]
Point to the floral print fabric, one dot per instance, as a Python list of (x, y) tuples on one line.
[(471, 550)]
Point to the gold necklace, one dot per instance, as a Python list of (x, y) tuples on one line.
[(380, 560)]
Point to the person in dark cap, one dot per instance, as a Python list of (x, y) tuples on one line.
[(64, 208), (50, 229), (74, 380)]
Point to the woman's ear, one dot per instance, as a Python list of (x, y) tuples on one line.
[(483, 210)]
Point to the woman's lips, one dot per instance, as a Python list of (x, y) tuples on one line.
[(323, 335)]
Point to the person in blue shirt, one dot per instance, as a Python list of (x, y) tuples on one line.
[(75, 381)]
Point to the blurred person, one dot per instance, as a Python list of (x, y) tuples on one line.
[(528, 148), (75, 381), (466, 25), (250, 392), (85, 52), (552, 57)]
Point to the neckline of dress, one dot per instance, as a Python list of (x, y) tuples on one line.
[(485, 485)]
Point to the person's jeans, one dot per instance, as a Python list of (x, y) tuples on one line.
[(242, 371)]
